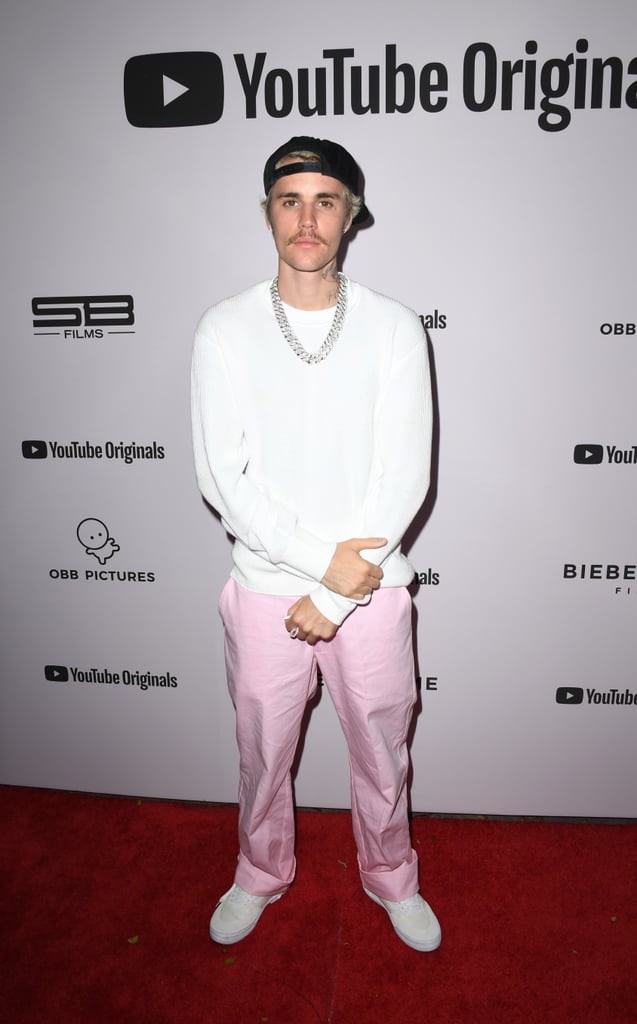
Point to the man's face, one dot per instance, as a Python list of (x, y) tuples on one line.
[(308, 217)]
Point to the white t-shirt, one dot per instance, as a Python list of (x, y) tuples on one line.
[(296, 457)]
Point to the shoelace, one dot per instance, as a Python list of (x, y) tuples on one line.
[(411, 903), (242, 897)]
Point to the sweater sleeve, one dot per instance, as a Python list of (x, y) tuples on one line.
[(400, 470), (221, 455)]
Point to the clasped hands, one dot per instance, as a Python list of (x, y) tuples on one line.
[(348, 574)]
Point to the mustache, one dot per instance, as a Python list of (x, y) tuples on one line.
[(306, 234)]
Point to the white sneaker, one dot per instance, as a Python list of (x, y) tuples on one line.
[(414, 921), (237, 914)]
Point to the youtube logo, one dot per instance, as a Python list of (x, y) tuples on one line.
[(173, 90), (56, 673), (569, 695), (588, 454), (34, 450)]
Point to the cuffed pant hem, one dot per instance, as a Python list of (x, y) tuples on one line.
[(258, 882), (395, 884)]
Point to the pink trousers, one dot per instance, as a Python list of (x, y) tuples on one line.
[(368, 669)]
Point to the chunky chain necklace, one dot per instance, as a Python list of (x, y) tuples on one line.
[(337, 323)]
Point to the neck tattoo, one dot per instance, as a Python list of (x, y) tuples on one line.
[(337, 323)]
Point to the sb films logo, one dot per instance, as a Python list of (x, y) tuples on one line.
[(82, 316), (172, 90)]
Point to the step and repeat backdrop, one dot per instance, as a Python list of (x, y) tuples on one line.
[(498, 144)]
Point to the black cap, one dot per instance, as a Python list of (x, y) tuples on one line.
[(333, 161)]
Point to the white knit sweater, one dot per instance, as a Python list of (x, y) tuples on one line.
[(296, 457)]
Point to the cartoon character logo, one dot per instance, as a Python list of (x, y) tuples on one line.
[(94, 537)]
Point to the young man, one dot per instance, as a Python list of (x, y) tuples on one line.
[(312, 435)]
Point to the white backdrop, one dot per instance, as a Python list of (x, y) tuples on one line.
[(512, 232)]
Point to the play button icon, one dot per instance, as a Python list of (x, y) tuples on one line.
[(34, 450), (569, 695), (56, 673), (172, 90), (588, 454)]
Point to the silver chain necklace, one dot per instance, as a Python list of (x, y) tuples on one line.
[(337, 323)]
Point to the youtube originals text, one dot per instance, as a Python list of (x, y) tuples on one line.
[(556, 86), (127, 453)]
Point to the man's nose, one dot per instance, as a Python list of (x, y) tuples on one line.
[(307, 215)]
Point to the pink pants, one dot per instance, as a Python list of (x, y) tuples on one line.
[(369, 671)]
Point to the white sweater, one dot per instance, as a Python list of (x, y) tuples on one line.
[(297, 457)]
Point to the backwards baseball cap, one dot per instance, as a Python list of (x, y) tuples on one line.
[(333, 161)]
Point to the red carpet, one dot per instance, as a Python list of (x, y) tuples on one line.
[(107, 905)]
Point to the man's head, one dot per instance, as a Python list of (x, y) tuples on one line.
[(304, 154), (312, 198)]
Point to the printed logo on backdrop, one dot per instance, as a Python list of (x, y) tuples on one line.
[(122, 679), (609, 454), (618, 578), (94, 537), (626, 329), (569, 695), (576, 695), (434, 321), (428, 578), (429, 683), (83, 316), (110, 451), (99, 545), (169, 90)]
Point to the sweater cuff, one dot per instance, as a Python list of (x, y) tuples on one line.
[(333, 606)]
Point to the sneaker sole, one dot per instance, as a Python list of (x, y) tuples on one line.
[(426, 946), (228, 938)]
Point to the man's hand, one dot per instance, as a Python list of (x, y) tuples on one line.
[(305, 618), (351, 575)]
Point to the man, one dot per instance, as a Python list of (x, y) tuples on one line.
[(312, 434)]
